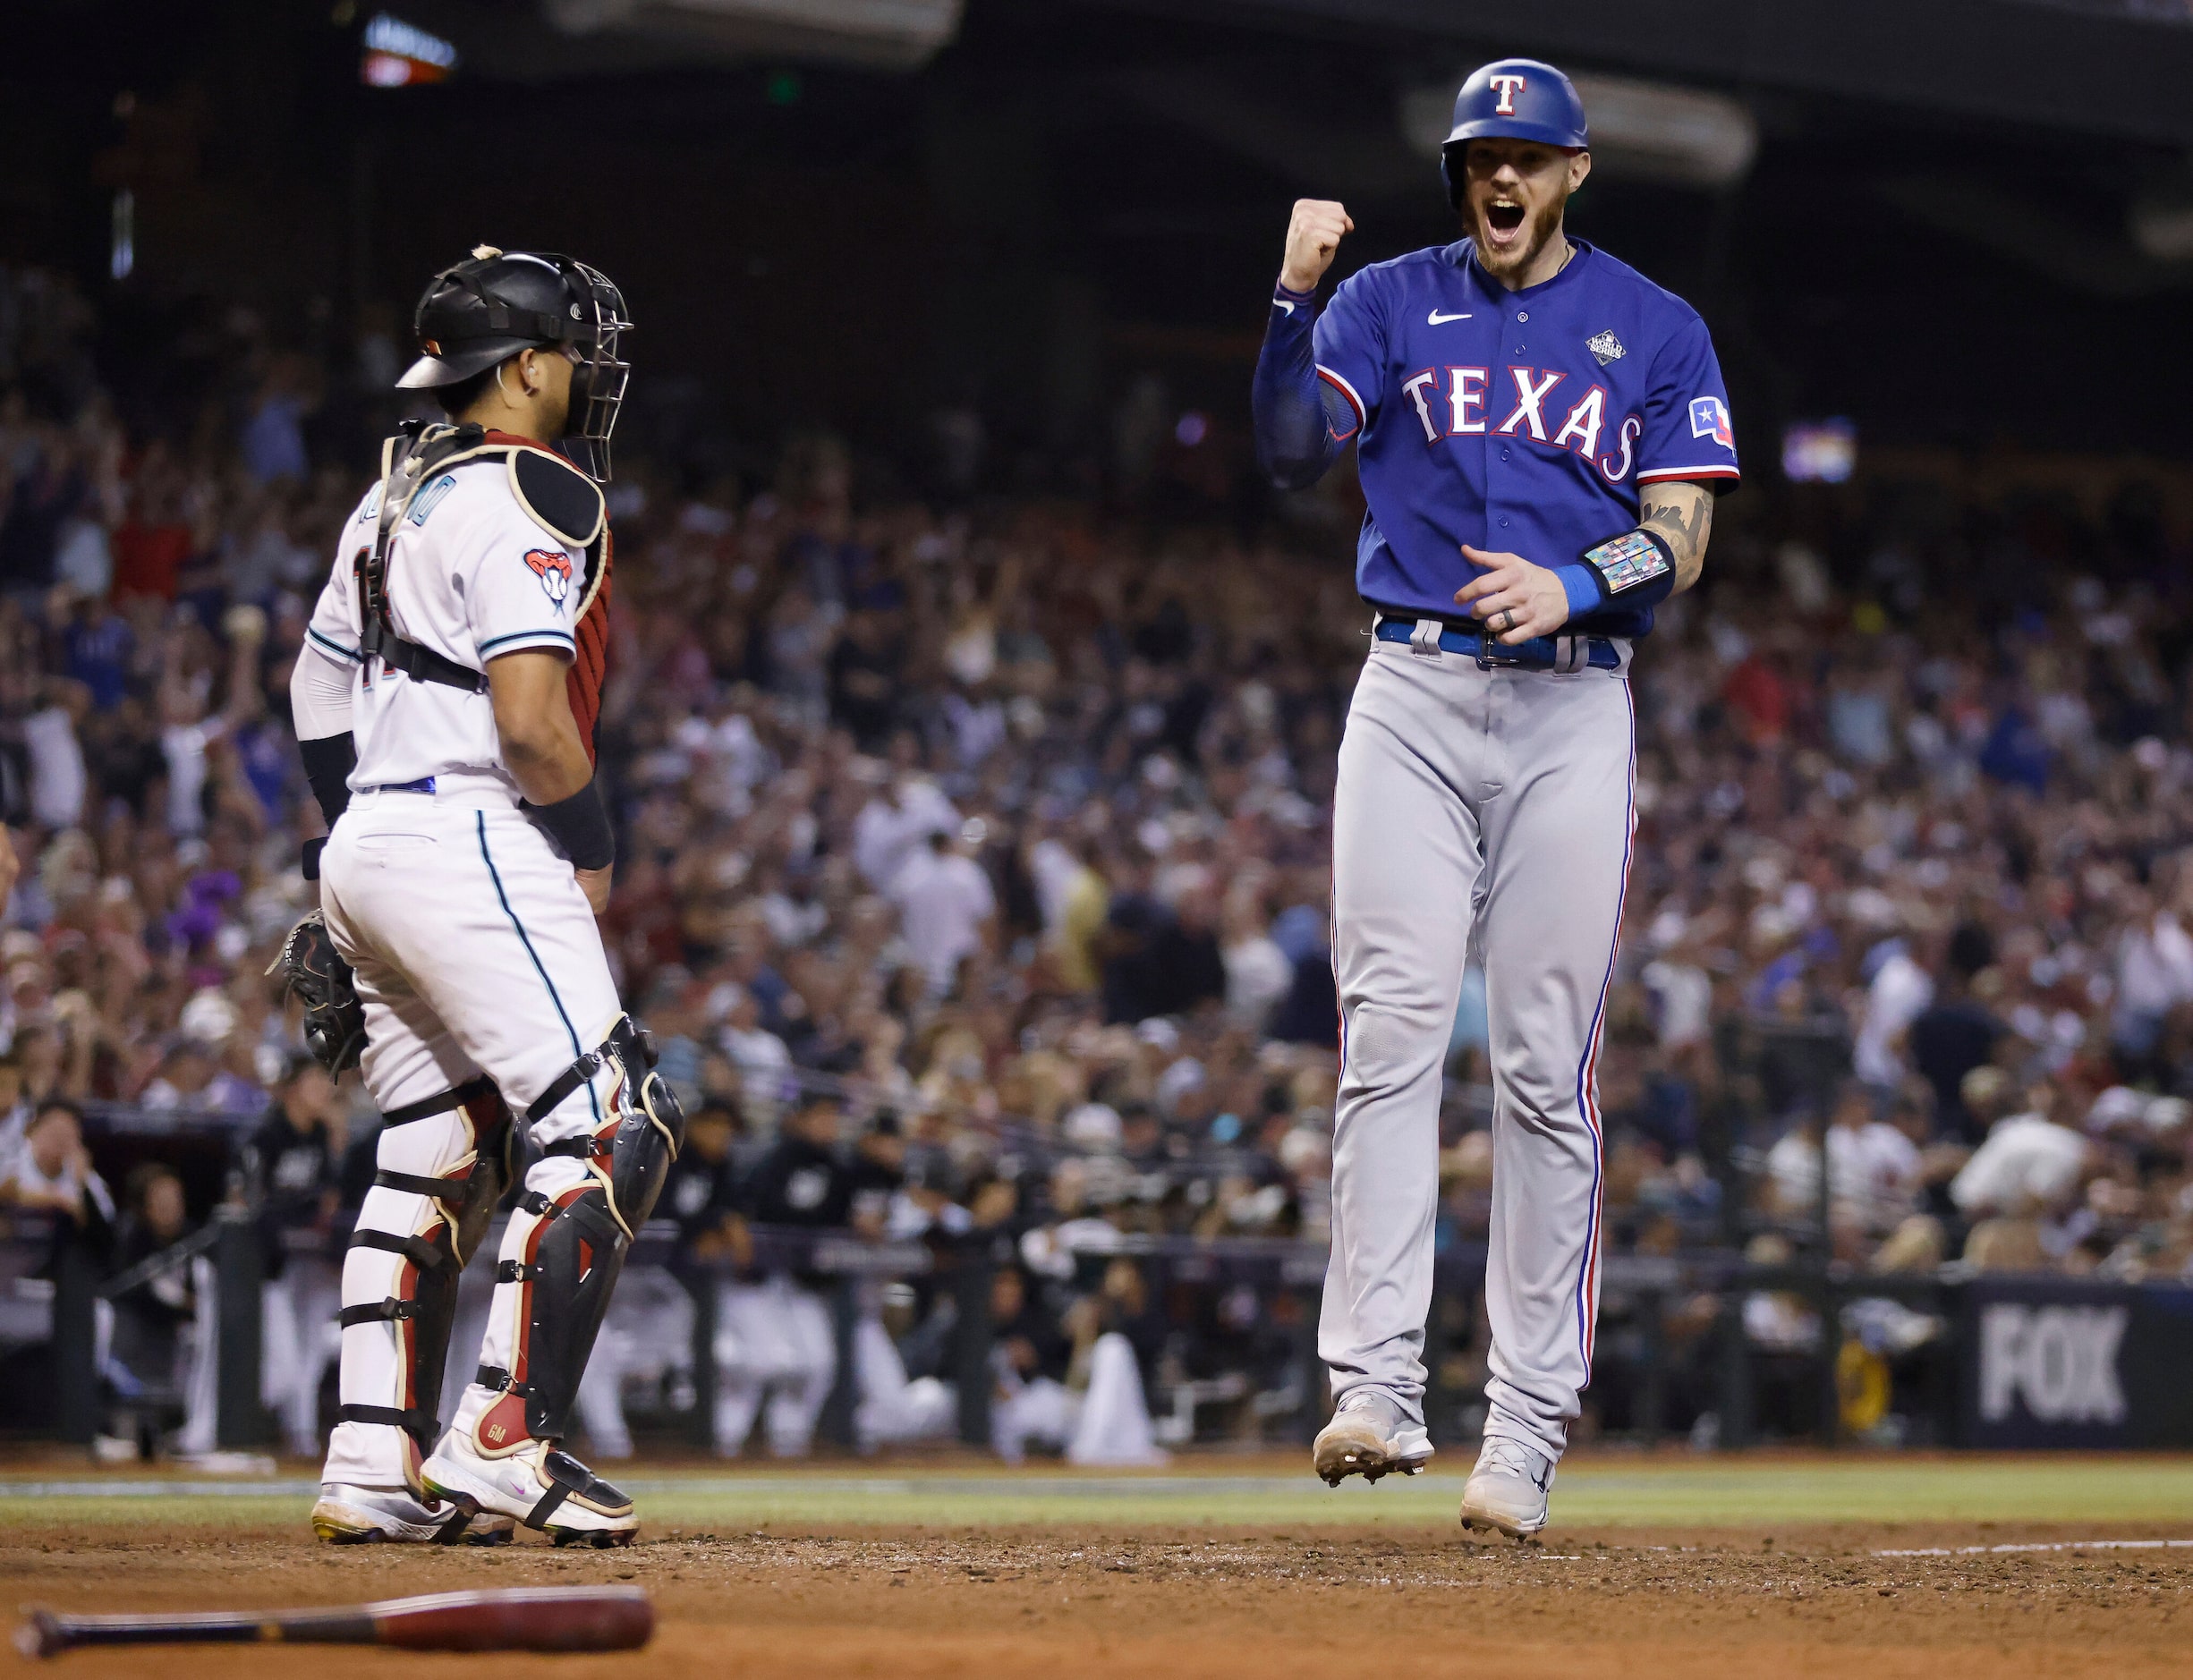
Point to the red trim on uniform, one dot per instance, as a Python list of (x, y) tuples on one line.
[(1688, 472), (1588, 1087), (1347, 391)]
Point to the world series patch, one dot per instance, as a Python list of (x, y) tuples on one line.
[(1627, 561)]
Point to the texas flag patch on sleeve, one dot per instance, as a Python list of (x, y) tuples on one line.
[(1709, 418)]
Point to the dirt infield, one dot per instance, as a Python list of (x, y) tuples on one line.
[(1124, 1599)]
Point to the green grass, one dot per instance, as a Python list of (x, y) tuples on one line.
[(1677, 1492)]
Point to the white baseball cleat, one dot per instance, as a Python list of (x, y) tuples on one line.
[(1369, 1436), (1509, 1491), (537, 1485), (347, 1515)]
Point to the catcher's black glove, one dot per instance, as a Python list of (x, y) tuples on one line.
[(316, 973)]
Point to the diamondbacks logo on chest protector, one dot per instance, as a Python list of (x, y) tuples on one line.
[(554, 569)]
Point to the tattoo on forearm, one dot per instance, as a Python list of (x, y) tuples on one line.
[(1686, 524), (1681, 528)]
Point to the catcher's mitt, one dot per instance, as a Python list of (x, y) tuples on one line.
[(315, 972)]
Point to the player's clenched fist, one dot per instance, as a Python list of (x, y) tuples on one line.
[(1312, 234)]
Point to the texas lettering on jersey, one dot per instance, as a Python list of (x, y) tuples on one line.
[(1521, 422), (1461, 411)]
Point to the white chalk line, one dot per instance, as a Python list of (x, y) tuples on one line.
[(2040, 1546)]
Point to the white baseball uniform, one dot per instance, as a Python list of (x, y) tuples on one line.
[(474, 948)]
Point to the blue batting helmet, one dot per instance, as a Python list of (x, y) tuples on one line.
[(1516, 98)]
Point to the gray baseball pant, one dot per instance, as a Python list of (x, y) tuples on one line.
[(1493, 804)]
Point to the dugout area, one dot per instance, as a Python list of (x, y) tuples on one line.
[(1658, 1564)]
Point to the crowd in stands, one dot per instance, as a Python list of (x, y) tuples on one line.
[(1000, 822)]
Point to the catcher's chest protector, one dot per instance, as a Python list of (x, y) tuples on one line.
[(554, 495), (590, 665)]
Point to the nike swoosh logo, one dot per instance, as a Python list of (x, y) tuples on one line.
[(1436, 320), (1281, 303)]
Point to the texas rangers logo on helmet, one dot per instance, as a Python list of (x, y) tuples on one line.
[(1509, 85), (554, 569), (1709, 418)]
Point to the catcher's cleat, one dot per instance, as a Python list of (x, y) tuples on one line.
[(1369, 1436), (536, 1484), (345, 1515), (1509, 1491)]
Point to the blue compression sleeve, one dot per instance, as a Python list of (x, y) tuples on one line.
[(1295, 443)]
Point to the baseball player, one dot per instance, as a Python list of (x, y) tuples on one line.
[(290, 1164), (1541, 432), (444, 707), (777, 1336)]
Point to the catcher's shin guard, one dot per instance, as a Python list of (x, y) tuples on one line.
[(397, 1314), (566, 1243), (568, 1263), (642, 1128)]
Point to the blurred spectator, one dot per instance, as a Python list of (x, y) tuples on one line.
[(775, 1336), (50, 1170), (159, 1362), (1955, 1032), (2028, 1165), (291, 1165), (946, 907)]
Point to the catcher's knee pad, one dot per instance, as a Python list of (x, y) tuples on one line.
[(421, 1307), (570, 1264), (642, 1128)]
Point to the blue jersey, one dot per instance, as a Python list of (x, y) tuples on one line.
[(1519, 422)]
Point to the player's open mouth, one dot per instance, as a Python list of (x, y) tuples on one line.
[(1503, 220)]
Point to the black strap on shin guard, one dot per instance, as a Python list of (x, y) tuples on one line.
[(389, 1312), (420, 1424), (625, 1041), (423, 1251), (449, 1190), (427, 1107)]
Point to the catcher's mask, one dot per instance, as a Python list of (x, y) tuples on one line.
[(481, 311)]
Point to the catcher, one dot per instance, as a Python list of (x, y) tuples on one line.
[(444, 703)]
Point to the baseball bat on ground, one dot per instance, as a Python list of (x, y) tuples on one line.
[(510, 1618)]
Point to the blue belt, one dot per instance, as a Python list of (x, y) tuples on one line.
[(424, 785), (1540, 653)]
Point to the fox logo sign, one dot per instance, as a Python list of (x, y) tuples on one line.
[(554, 569), (2062, 1362)]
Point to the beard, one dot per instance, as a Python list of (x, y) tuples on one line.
[(1517, 256)]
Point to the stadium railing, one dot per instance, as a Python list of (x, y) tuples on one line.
[(1951, 1385)]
